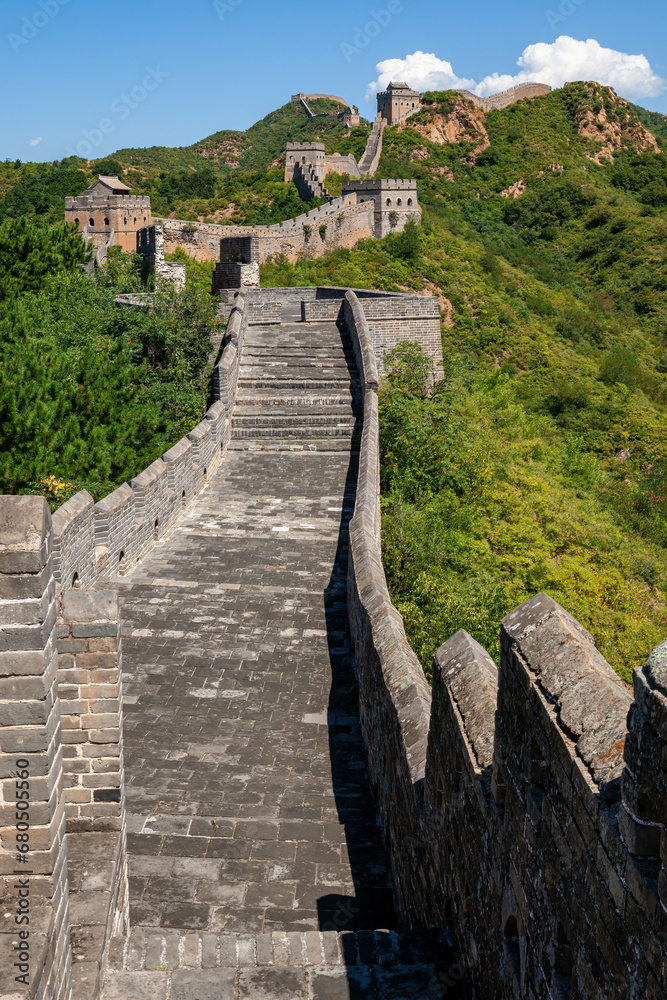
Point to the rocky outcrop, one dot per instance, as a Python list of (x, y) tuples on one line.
[(464, 123), (514, 190), (608, 119)]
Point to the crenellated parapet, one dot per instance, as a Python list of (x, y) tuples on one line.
[(643, 814), (525, 806)]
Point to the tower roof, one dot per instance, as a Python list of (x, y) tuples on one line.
[(115, 184)]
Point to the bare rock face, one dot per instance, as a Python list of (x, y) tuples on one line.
[(514, 190), (464, 123), (621, 129)]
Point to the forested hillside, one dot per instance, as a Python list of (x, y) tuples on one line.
[(542, 463), (234, 177), (90, 394), (539, 463)]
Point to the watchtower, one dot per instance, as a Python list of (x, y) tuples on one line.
[(108, 214), (397, 102), (308, 154), (395, 202)]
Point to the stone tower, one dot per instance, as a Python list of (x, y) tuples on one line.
[(108, 215), (397, 102)]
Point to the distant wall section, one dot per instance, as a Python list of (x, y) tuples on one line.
[(522, 91)]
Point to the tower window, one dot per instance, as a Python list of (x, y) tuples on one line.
[(389, 201), (409, 201), (399, 202), (91, 222), (106, 222)]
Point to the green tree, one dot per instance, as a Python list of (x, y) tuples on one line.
[(29, 255)]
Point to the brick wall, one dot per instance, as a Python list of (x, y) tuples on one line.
[(524, 808), (90, 688), (391, 319), (150, 246), (346, 224), (521, 92), (31, 757)]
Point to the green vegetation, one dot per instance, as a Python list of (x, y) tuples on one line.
[(541, 461), (258, 197), (90, 393), (654, 121), (259, 147)]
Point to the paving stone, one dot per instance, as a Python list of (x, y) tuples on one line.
[(218, 984), (209, 951), (272, 984), (339, 984), (253, 828), (137, 985), (190, 951), (196, 868), (227, 893), (186, 915), (227, 947)]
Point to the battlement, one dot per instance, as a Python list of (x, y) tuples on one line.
[(384, 184), (522, 91), (305, 147), (113, 201), (526, 805)]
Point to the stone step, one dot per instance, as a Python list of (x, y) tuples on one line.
[(291, 433), (297, 366), (269, 444), (311, 965), (290, 382), (322, 350), (261, 417), (150, 949), (293, 402)]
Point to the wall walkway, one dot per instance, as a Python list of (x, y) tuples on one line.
[(305, 817)]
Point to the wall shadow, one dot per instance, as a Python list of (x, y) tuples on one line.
[(381, 959)]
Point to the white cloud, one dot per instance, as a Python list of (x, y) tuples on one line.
[(421, 70), (34, 142), (564, 60)]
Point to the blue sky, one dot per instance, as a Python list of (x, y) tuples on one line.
[(79, 74)]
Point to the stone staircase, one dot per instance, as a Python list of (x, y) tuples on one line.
[(298, 389), (311, 965), (308, 183)]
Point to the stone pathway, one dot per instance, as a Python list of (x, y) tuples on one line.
[(257, 868)]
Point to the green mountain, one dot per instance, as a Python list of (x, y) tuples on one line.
[(542, 464), (653, 120), (260, 146), (233, 176)]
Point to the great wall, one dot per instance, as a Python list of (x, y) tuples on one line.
[(206, 686), (108, 215)]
